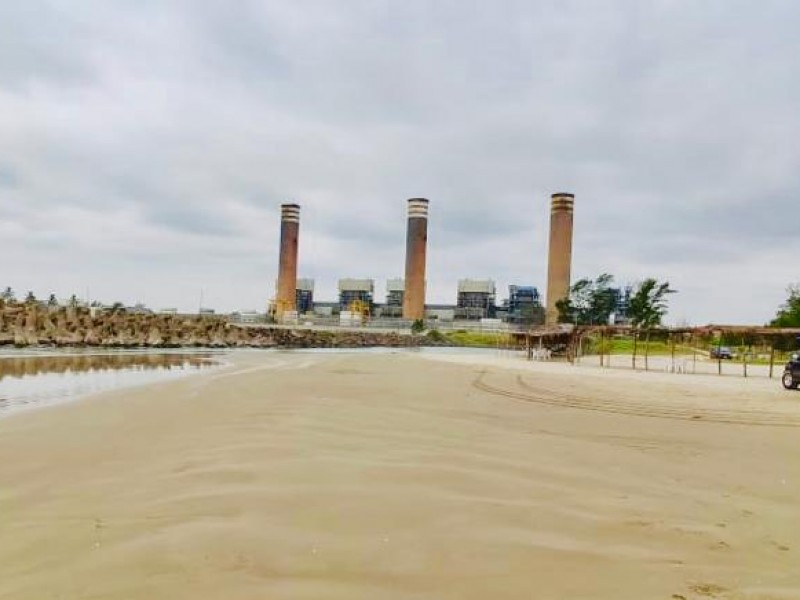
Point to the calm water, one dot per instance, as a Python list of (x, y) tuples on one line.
[(35, 379)]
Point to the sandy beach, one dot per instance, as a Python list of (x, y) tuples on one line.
[(403, 476)]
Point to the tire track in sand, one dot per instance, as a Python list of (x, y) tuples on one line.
[(637, 408)]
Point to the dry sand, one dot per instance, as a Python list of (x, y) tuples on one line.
[(396, 476)]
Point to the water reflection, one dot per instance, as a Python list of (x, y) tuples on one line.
[(32, 381)]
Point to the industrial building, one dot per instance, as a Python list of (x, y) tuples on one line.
[(440, 312), (622, 302), (305, 296), (405, 298), (395, 293), (353, 291), (523, 305), (476, 299)]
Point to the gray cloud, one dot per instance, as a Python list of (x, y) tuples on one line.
[(163, 136)]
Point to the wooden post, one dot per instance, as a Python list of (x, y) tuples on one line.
[(694, 355), (635, 340), (602, 342), (528, 349), (672, 343), (744, 358), (771, 357)]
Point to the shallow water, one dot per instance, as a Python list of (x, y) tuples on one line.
[(36, 379)]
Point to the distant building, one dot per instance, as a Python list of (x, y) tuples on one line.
[(247, 316), (139, 309), (440, 312), (326, 309), (622, 303), (524, 305), (476, 299), (395, 292), (356, 290), (305, 296)]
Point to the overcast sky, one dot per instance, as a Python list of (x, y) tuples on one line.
[(146, 146)]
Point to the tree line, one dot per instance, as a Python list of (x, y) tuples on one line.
[(788, 314), (594, 301)]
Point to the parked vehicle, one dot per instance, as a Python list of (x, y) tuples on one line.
[(791, 374), (721, 352)]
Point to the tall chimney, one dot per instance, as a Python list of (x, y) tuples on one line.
[(416, 250), (560, 258), (286, 297)]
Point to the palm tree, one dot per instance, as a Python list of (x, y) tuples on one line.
[(648, 306), (52, 300), (8, 295), (30, 298)]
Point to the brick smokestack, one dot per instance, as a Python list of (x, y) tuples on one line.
[(416, 251), (286, 297), (560, 258)]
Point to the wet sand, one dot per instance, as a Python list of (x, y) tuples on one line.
[(396, 476)]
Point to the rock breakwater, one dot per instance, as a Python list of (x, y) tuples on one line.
[(35, 325)]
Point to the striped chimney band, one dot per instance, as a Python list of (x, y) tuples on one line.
[(290, 213), (562, 202), (417, 208)]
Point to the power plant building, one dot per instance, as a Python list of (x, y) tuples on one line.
[(305, 296), (405, 297), (560, 253), (524, 305), (356, 290), (476, 299), (395, 292)]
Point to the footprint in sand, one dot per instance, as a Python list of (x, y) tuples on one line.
[(720, 546), (780, 547), (708, 590)]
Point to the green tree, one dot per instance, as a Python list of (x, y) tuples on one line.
[(647, 308), (788, 314), (418, 327), (589, 302)]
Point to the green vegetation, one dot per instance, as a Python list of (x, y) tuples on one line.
[(756, 351), (649, 303), (589, 302), (788, 314), (417, 327), (436, 336), (626, 345), (476, 339)]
